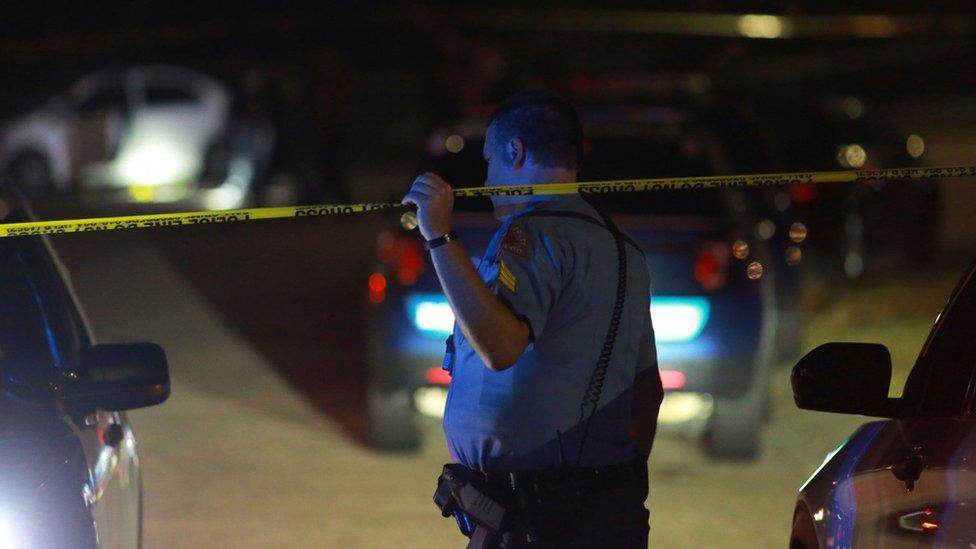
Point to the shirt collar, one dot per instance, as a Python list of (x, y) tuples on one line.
[(569, 202)]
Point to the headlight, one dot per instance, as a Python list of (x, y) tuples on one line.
[(7, 539), (152, 164)]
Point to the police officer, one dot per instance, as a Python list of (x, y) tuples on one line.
[(555, 389)]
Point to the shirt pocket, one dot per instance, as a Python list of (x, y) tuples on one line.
[(497, 388)]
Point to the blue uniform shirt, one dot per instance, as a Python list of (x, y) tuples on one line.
[(560, 275)]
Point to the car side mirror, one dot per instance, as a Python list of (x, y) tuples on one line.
[(845, 378), (120, 377)]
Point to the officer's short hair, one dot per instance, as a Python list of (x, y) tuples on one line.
[(547, 124)]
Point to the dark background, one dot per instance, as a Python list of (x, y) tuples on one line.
[(235, 459)]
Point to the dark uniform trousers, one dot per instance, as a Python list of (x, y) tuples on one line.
[(575, 508)]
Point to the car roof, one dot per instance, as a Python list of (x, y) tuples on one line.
[(166, 74), (599, 122)]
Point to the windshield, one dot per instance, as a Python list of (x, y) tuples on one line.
[(946, 367), (606, 158), (36, 337)]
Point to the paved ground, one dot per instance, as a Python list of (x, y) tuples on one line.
[(259, 445)]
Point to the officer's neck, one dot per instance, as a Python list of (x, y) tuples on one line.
[(507, 206)]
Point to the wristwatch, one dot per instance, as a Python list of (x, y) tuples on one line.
[(440, 241)]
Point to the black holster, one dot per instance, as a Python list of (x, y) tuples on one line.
[(479, 509)]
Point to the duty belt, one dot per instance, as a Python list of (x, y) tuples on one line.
[(543, 505)]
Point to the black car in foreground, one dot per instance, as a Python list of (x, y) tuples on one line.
[(69, 472), (908, 480)]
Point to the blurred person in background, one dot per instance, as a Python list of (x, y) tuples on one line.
[(555, 388)]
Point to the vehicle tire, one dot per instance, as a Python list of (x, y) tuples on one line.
[(789, 325), (30, 174), (733, 431), (393, 425), (734, 428)]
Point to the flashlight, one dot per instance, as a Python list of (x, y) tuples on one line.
[(409, 220)]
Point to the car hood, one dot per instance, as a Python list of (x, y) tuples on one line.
[(42, 122), (34, 449), (44, 481)]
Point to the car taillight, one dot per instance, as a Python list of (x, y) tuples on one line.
[(403, 254), (377, 287), (672, 379), (801, 193), (438, 376), (712, 266)]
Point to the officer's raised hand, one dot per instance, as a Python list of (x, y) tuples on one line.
[(434, 199)]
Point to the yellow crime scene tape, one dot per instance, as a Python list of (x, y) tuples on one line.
[(586, 187)]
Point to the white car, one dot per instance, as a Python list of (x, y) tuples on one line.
[(144, 131)]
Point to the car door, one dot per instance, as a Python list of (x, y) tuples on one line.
[(114, 489), (41, 337), (172, 125), (916, 484), (100, 107)]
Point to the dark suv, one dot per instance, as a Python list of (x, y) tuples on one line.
[(715, 327), (67, 452)]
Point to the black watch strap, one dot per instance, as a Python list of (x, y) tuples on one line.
[(440, 241)]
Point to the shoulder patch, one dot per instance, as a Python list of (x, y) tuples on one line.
[(516, 241)]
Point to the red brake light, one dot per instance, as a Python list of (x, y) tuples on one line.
[(377, 288), (712, 266), (410, 265), (672, 379), (438, 376), (403, 253), (801, 193)]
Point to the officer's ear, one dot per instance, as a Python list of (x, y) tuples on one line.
[(515, 151)]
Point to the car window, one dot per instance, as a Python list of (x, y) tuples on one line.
[(605, 158), (942, 377), (37, 333), (464, 168), (166, 95), (107, 99)]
